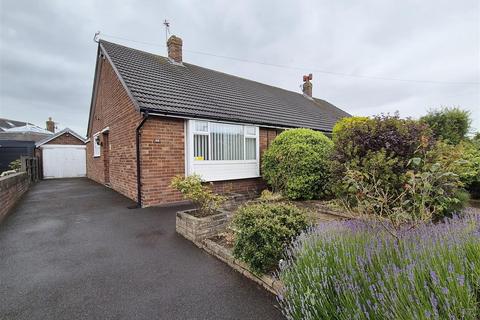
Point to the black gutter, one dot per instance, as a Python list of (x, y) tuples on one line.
[(139, 177)]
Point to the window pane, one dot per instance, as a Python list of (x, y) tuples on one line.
[(201, 126), (227, 141), (250, 149), (200, 147)]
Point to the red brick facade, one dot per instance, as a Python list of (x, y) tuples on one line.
[(162, 147), (66, 138), (114, 110)]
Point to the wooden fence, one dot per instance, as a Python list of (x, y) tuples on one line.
[(31, 167)]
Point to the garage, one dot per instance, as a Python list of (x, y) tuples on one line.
[(62, 155)]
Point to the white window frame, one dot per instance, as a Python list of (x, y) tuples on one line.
[(218, 170), (97, 147)]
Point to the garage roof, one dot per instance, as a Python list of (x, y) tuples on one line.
[(58, 134)]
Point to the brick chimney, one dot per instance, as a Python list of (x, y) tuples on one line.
[(50, 125), (174, 45), (307, 85)]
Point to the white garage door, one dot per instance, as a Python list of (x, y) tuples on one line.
[(63, 161)]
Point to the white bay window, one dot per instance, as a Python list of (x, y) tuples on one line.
[(221, 151)]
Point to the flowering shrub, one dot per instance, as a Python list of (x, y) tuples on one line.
[(296, 163), (202, 196), (356, 270), (263, 231)]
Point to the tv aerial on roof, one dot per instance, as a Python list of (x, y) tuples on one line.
[(166, 23)]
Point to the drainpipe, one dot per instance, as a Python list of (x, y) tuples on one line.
[(139, 177)]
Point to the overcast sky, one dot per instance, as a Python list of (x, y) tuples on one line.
[(48, 56)]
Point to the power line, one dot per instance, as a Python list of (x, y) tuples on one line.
[(353, 75)]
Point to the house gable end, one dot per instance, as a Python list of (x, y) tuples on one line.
[(102, 55)]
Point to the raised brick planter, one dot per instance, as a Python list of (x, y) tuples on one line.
[(198, 228), (271, 284)]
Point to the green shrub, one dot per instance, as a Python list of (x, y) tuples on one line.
[(394, 168), (462, 159), (428, 190), (353, 270), (202, 196), (399, 138), (15, 165), (296, 164), (347, 123), (269, 196), (262, 231), (450, 124)]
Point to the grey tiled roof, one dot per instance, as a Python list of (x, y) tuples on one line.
[(160, 86)]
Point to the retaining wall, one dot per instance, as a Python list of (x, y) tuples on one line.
[(12, 188)]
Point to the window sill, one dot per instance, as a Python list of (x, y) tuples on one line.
[(214, 162)]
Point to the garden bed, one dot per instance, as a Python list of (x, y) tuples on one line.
[(196, 228), (224, 254), (323, 211)]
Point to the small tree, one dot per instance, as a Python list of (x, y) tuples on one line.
[(202, 196), (449, 124)]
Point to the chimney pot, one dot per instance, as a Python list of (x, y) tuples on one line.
[(174, 45), (50, 125), (307, 85)]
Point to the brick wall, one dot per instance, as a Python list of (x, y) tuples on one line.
[(163, 157), (12, 187), (66, 138), (114, 109)]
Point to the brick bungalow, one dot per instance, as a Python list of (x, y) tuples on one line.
[(154, 117)]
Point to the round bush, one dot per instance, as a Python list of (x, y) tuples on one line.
[(264, 230), (296, 164)]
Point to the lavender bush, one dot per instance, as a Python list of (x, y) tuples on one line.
[(356, 270)]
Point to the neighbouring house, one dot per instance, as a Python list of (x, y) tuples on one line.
[(17, 138), (154, 117), (62, 155)]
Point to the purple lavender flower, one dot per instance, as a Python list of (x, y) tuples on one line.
[(434, 277)]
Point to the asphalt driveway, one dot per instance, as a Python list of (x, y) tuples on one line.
[(72, 249)]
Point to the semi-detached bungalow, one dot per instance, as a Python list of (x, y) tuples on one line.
[(154, 117)]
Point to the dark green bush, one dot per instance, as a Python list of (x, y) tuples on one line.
[(262, 231), (296, 164), (450, 124), (400, 138), (393, 167)]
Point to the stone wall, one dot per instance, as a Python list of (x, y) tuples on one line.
[(12, 187)]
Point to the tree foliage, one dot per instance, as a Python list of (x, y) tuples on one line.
[(449, 124)]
